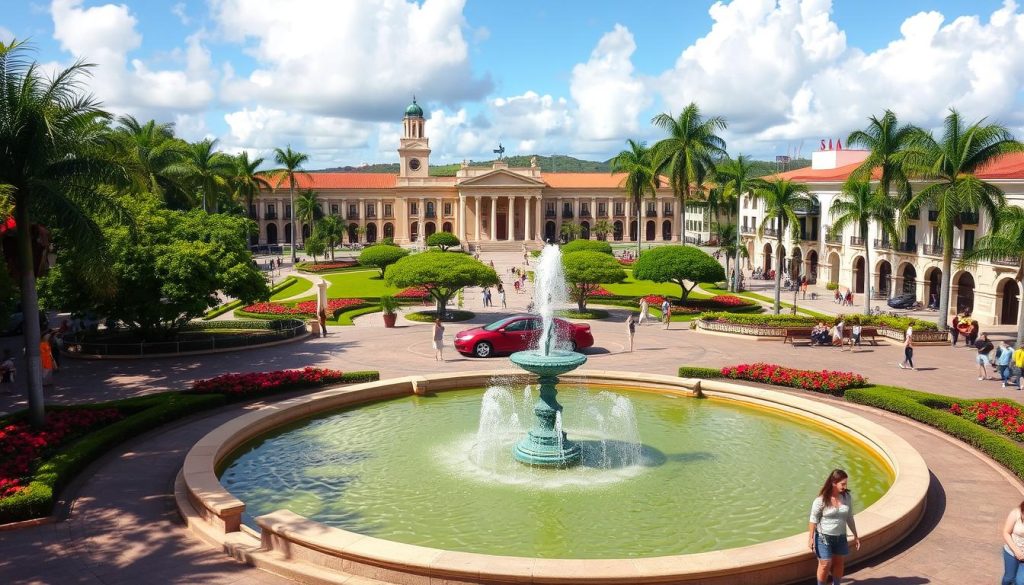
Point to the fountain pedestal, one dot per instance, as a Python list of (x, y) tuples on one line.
[(546, 445)]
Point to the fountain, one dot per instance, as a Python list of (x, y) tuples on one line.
[(546, 445)]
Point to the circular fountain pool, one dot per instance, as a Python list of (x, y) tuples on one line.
[(688, 476)]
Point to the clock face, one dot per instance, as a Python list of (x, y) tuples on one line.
[(414, 164)]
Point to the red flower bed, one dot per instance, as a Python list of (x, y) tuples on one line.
[(627, 261), (21, 445), (828, 382), (262, 382), (999, 416), (600, 291), (413, 292), (654, 300), (728, 301), (325, 266), (303, 308)]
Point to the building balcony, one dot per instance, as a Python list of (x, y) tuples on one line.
[(351, 215), (287, 216), (584, 214), (933, 215), (856, 241), (747, 230), (969, 218), (566, 214), (270, 215), (932, 250), (650, 213), (882, 244), (389, 216), (770, 232), (620, 213), (371, 216), (835, 240), (430, 215), (549, 214), (253, 215), (907, 248), (1007, 261)]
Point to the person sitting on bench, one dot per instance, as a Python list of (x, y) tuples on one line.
[(819, 335)]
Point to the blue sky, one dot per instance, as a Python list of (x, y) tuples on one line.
[(332, 78)]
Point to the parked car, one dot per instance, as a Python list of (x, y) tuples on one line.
[(903, 301), (517, 333)]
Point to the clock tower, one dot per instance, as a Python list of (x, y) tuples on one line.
[(414, 147)]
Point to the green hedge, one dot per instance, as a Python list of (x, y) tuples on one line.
[(699, 372), (275, 324), (897, 323), (454, 315), (590, 313), (143, 413)]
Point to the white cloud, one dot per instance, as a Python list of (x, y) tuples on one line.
[(532, 116), (608, 96), (360, 60), (6, 36), (326, 139), (180, 10)]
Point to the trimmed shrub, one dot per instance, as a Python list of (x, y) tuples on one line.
[(897, 323), (587, 246), (590, 313), (699, 372), (832, 286), (450, 316)]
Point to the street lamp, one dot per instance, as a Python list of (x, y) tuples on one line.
[(737, 273)]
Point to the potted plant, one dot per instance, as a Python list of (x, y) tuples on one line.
[(390, 307)]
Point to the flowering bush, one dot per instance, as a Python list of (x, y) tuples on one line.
[(21, 446), (326, 266), (413, 292), (654, 300), (303, 308), (828, 382), (599, 291), (727, 301), (627, 261), (262, 382), (999, 416)]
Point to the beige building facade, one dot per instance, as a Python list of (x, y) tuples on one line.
[(491, 207), (911, 265)]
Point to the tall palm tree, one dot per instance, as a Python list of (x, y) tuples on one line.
[(1005, 242), (782, 198), (55, 157), (307, 208), (602, 228), (291, 165), (951, 164), (641, 179), (728, 243), (737, 176), (332, 229), (860, 205), (246, 180), (207, 170), (153, 154), (890, 146), (689, 152)]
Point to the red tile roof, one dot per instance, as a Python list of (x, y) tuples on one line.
[(1009, 166), (342, 181), (587, 180)]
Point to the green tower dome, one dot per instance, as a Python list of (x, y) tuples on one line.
[(414, 109)]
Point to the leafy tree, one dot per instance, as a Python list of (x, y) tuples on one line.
[(443, 240), (206, 170), (727, 243), (441, 274), (860, 205), (602, 228), (168, 272), (291, 166), (1007, 241), (331, 229), (315, 245), (950, 164), (678, 264), (590, 245), (56, 158), (307, 208), (782, 199), (570, 231), (586, 271), (641, 178), (737, 178), (381, 256), (689, 152)]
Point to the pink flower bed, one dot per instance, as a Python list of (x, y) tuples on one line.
[(826, 381), (260, 382), (325, 266), (303, 308)]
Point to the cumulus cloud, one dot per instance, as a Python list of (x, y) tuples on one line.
[(6, 36), (361, 60), (326, 139), (609, 98)]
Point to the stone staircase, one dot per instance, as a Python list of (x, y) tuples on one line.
[(502, 246)]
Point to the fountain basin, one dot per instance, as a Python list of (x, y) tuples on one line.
[(558, 362), (311, 547)]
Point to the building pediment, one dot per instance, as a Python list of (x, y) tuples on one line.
[(501, 178)]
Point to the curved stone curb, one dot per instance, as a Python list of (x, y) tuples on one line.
[(300, 548), (95, 357)]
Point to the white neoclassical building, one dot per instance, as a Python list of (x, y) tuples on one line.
[(914, 264), (493, 207)]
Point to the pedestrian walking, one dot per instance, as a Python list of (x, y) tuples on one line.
[(855, 334), (803, 287), (908, 349), (630, 330), (1013, 547), (501, 296), (7, 374), (487, 296), (837, 333), (984, 347), (831, 514), (46, 360), (667, 316), (517, 285), (644, 306), (321, 316), (954, 329), (438, 340), (1018, 365), (1004, 362)]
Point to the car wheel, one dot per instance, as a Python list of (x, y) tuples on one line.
[(482, 349)]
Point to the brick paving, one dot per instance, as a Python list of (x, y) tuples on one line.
[(122, 527)]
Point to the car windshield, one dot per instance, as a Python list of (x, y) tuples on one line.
[(497, 324)]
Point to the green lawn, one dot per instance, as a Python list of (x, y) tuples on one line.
[(361, 284), (710, 287), (300, 286), (639, 288)]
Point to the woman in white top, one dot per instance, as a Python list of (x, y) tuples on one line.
[(1013, 547), (438, 341), (831, 513)]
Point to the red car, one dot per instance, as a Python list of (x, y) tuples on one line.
[(517, 333)]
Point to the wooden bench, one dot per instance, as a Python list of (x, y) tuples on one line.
[(794, 334)]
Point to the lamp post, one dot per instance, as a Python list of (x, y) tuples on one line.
[(737, 272)]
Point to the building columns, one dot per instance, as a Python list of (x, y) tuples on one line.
[(510, 232), (528, 202), (477, 218), (493, 232), (462, 218)]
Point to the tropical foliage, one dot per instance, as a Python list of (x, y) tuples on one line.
[(861, 205), (782, 198), (641, 177), (586, 271), (679, 265), (441, 274)]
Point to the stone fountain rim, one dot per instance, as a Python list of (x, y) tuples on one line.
[(332, 555)]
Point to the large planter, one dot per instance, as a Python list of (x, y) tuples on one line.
[(389, 319)]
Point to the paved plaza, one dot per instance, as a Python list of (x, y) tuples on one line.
[(119, 524)]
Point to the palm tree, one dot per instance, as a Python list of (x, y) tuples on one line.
[(689, 152), (291, 165), (636, 163), (728, 243), (782, 198), (860, 205), (307, 208), (602, 228), (55, 157), (154, 154), (332, 229), (737, 178), (890, 146), (950, 164), (207, 170), (246, 180), (1005, 242)]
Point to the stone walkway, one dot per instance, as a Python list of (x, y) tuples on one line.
[(122, 527)]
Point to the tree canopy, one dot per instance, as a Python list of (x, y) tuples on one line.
[(590, 245), (381, 256), (441, 274), (586, 271), (443, 240), (678, 264)]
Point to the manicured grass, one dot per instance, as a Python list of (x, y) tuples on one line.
[(359, 284), (639, 288), (711, 288), (298, 286), (345, 317), (454, 315), (590, 313)]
